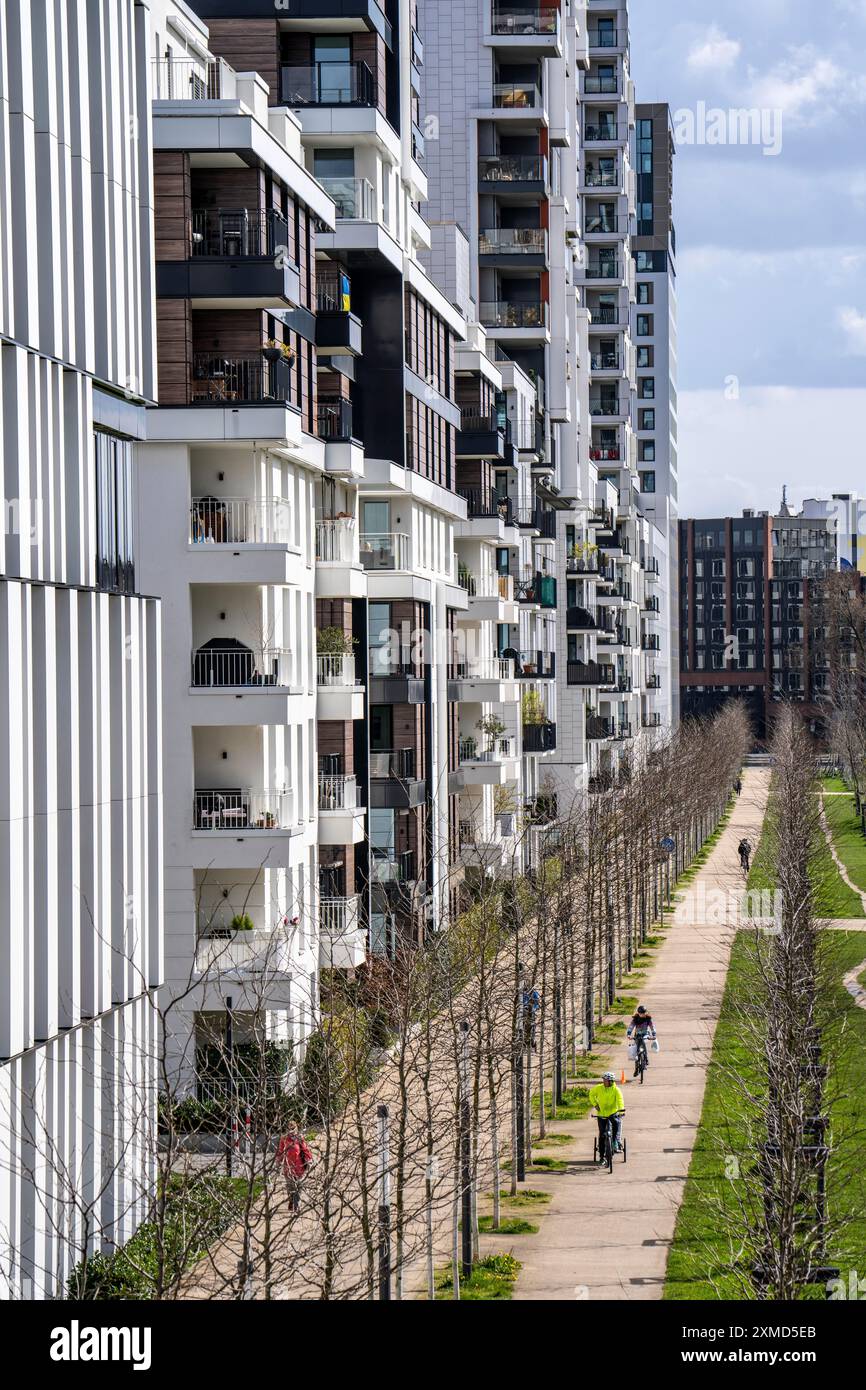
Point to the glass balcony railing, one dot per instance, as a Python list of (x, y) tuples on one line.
[(483, 750), (512, 96), (517, 241), (509, 314), (512, 168), (335, 670), (600, 224), (595, 82), (354, 198), (384, 550), (525, 20), (337, 542), (327, 84), (393, 762)]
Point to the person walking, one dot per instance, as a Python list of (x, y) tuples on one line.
[(738, 785), (294, 1157)]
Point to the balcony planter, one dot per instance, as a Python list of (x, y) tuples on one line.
[(241, 923), (333, 641), (273, 351)]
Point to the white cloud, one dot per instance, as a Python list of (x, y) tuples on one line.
[(806, 87), (853, 325), (715, 50), (740, 453)]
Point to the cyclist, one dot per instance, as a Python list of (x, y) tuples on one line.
[(744, 850), (608, 1101), (642, 1027)]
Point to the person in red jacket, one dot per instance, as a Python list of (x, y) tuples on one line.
[(293, 1155)]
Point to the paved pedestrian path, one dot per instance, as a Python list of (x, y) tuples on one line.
[(851, 981), (607, 1236)]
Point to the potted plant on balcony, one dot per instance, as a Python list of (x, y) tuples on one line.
[(242, 922), (532, 708), (267, 821), (492, 729), (273, 351), (334, 641)]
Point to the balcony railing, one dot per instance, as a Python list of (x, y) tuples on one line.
[(393, 762), (333, 291), (600, 224), (237, 232), (589, 673), (603, 38), (384, 550), (512, 168), (496, 586), (536, 665), (184, 79), (525, 241), (338, 792), (606, 405), (605, 453), (242, 809), (602, 131), (497, 750), (338, 916), (249, 380), (327, 84), (651, 644), (601, 178), (604, 361), (336, 542), (595, 82), (494, 668), (474, 421), (335, 669), (214, 667), (597, 728), (539, 738), (497, 313), (239, 521), (585, 619), (602, 270), (525, 20), (483, 502), (624, 730), (334, 419), (354, 198), (520, 95), (387, 868), (652, 721)]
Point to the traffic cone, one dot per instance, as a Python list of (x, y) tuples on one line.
[(622, 1077)]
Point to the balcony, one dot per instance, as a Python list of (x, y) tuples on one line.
[(586, 564), (603, 38), (604, 132), (337, 542), (487, 595), (334, 420), (601, 178), (530, 319), (539, 738), (384, 550), (488, 762), (335, 670), (589, 673), (596, 84), (652, 607), (486, 512), (234, 521), (605, 453), (185, 79), (494, 668), (484, 436), (247, 380), (342, 937), (339, 696), (525, 21), (598, 729), (526, 173), (603, 270), (653, 682), (392, 869), (517, 96), (236, 256), (535, 665), (602, 224), (237, 233), (651, 643), (580, 619), (341, 818), (652, 721), (223, 952), (354, 199), (231, 665), (605, 362), (486, 680), (327, 84), (231, 809), (540, 591), (624, 730), (497, 242), (394, 780), (607, 406)]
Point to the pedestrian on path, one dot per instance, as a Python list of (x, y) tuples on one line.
[(642, 1027), (608, 1101), (738, 785), (531, 1007), (744, 850), (294, 1157)]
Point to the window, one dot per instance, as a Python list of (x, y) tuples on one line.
[(645, 292), (645, 357), (647, 449), (645, 325), (646, 419), (719, 569), (115, 568), (646, 388), (648, 482)]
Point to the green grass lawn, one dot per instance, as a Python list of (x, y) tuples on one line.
[(848, 839), (700, 1255), (833, 897), (492, 1281), (835, 784)]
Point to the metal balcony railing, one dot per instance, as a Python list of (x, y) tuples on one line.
[(338, 916), (384, 550), (242, 809), (483, 502), (475, 421), (393, 762), (335, 669), (185, 79), (354, 198), (338, 792), (597, 728), (512, 168), (248, 380), (589, 673), (215, 667), (327, 84), (599, 224), (539, 738), (506, 314), (497, 586), (238, 232), (603, 38), (334, 419), (239, 521), (530, 241), (337, 542), (605, 453), (333, 291), (602, 270), (604, 361), (485, 750), (494, 668), (601, 178), (603, 131)]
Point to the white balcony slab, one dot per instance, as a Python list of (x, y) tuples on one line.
[(340, 702), (341, 827)]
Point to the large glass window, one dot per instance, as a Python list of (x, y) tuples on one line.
[(115, 568)]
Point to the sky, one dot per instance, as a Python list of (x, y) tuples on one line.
[(771, 263)]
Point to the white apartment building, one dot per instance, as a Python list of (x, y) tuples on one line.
[(847, 512), (80, 812)]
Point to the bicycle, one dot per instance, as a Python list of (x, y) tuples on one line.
[(606, 1137), (641, 1060)]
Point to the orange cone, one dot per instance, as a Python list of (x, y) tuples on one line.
[(622, 1077)]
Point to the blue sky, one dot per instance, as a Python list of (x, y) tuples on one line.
[(772, 249)]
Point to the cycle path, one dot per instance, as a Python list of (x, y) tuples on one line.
[(607, 1236)]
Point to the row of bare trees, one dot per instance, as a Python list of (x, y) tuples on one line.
[(426, 1078)]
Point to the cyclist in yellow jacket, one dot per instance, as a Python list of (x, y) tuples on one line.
[(608, 1101)]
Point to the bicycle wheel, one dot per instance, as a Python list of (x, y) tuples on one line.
[(624, 1150), (642, 1066), (609, 1148)]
